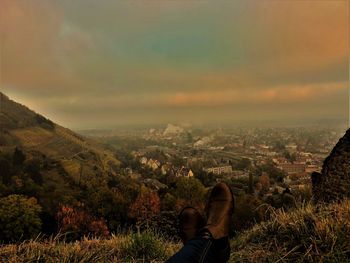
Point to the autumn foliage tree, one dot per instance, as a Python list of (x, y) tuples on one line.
[(145, 207), (77, 222)]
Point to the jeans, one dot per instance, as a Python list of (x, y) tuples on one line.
[(203, 250)]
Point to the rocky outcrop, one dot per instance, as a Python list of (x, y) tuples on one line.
[(333, 183)]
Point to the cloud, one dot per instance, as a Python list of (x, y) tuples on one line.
[(277, 95), (163, 60)]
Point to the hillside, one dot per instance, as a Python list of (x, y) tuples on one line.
[(54, 181), (36, 135), (57, 167), (309, 234)]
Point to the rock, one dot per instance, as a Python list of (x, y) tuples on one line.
[(333, 183)]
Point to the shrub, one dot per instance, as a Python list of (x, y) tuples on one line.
[(19, 218), (165, 223), (145, 246), (77, 222)]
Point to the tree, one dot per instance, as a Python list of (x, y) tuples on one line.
[(111, 205), (33, 169), (18, 157), (273, 172), (168, 202), (146, 206), (78, 222), (290, 156), (5, 171), (279, 146), (19, 218), (207, 179), (190, 190), (243, 164)]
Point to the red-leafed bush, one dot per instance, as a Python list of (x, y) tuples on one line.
[(77, 222)]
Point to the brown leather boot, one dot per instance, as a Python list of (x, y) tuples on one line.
[(219, 211), (190, 221)]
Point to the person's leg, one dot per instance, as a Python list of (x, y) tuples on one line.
[(221, 250), (190, 221), (195, 250), (212, 243), (203, 249)]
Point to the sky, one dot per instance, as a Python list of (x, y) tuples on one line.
[(90, 64)]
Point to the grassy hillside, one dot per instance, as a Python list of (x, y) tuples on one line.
[(38, 136), (308, 234), (34, 133)]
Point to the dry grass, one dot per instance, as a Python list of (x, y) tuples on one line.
[(150, 248), (308, 234), (33, 136)]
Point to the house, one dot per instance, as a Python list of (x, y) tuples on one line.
[(279, 160), (184, 172), (153, 184), (154, 164), (143, 160), (166, 169)]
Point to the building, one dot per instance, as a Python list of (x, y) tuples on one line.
[(143, 160), (220, 170), (166, 169), (292, 168), (312, 168), (292, 148), (154, 164), (237, 174), (184, 172)]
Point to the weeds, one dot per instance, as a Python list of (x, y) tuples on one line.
[(308, 234), (144, 247)]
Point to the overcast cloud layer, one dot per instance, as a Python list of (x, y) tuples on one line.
[(104, 63)]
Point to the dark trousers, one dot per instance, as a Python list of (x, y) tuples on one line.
[(202, 250)]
